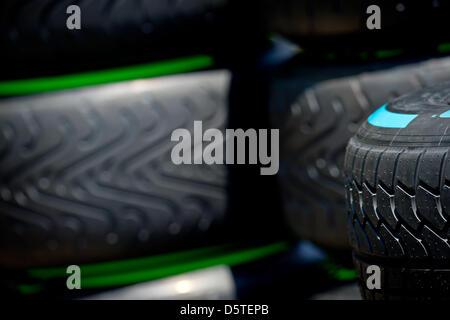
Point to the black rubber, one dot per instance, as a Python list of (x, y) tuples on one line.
[(336, 25), (317, 110), (86, 174), (398, 193), (35, 40)]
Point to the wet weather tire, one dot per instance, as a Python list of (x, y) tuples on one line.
[(316, 121), (397, 173), (86, 174), (35, 40)]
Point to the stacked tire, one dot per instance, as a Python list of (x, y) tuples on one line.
[(397, 175)]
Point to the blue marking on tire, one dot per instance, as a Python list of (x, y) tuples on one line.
[(387, 119), (446, 114)]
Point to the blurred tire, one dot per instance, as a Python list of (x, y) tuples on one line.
[(35, 40), (335, 25), (86, 175)]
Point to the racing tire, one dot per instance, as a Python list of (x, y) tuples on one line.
[(317, 110), (36, 41), (397, 174), (86, 174)]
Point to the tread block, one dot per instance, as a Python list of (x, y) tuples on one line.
[(369, 205), (386, 207), (429, 207), (439, 247), (375, 241), (406, 208), (392, 243), (413, 245)]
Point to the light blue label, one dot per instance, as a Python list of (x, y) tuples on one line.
[(446, 114), (387, 119)]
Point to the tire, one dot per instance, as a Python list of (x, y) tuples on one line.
[(86, 175), (317, 111), (334, 25), (35, 40), (397, 170)]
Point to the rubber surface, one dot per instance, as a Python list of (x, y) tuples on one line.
[(399, 198), (86, 175), (316, 118)]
